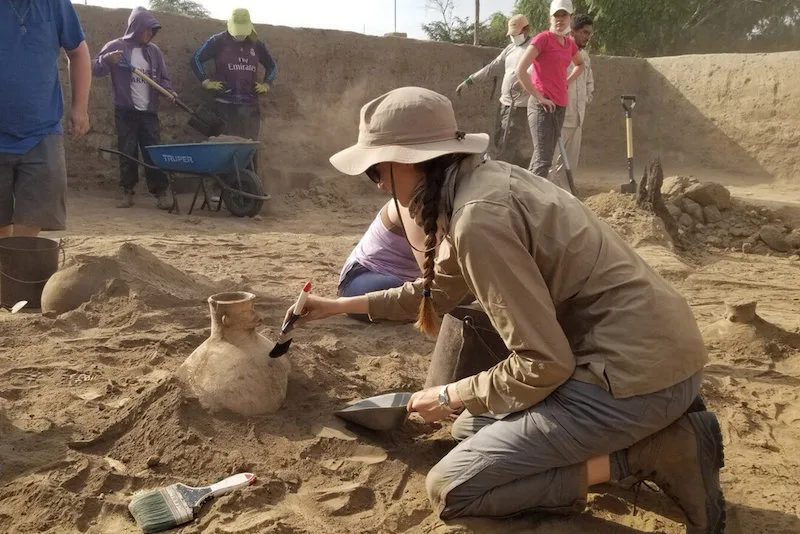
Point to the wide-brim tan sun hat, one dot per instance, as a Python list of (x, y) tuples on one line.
[(407, 125)]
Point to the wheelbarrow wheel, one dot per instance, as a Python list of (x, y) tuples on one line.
[(239, 205)]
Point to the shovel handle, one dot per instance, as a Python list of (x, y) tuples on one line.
[(151, 82), (628, 103), (161, 90)]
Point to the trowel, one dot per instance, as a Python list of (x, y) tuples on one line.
[(283, 344), (383, 412)]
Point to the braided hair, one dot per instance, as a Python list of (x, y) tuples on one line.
[(424, 208)]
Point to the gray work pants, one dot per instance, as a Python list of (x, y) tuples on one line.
[(535, 460), (512, 137), (545, 128)]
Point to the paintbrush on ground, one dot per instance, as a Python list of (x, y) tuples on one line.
[(177, 504), (282, 345)]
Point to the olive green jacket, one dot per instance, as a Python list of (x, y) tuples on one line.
[(568, 296)]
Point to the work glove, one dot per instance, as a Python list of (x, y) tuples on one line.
[(262, 88), (212, 85)]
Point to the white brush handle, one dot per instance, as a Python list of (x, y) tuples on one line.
[(240, 480)]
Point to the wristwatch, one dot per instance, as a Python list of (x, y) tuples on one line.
[(444, 398)]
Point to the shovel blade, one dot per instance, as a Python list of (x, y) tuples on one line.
[(628, 189), (207, 123)]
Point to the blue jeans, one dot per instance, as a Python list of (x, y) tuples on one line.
[(359, 281)]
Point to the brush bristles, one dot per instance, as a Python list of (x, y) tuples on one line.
[(159, 510)]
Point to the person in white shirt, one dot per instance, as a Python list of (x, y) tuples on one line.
[(580, 96), (512, 139), (136, 104)]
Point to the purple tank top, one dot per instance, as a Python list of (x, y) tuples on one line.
[(382, 251)]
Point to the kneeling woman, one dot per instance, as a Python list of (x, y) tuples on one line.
[(383, 258), (605, 357)]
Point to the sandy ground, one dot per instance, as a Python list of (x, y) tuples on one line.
[(88, 397)]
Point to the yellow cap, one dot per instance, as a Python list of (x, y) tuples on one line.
[(240, 25)]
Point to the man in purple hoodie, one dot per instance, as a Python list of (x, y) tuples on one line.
[(237, 53), (136, 102)]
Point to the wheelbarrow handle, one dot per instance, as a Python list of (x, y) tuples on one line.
[(628, 103), (221, 183), (138, 161)]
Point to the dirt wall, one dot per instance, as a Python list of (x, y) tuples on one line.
[(738, 115)]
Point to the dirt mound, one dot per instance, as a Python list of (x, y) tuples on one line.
[(130, 271), (638, 227), (747, 338)]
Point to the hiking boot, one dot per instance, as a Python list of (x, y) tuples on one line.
[(684, 461), (126, 200), (162, 202)]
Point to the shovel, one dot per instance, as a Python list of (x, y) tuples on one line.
[(628, 103), (567, 169), (206, 122)]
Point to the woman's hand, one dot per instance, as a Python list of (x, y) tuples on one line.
[(426, 403), (316, 308), (548, 105)]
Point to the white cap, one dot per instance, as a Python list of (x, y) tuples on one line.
[(559, 5)]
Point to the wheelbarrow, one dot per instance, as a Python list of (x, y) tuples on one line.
[(227, 163)]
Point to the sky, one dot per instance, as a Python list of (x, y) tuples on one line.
[(374, 17)]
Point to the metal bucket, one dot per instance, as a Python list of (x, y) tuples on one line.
[(26, 264)]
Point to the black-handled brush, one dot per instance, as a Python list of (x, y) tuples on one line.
[(282, 345)]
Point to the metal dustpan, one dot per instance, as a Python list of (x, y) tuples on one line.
[(383, 412)]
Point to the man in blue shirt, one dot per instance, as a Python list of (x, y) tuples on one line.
[(33, 177)]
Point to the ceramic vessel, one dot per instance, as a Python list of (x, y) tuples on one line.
[(232, 370)]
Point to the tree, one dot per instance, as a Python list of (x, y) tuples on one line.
[(181, 7), (453, 29), (658, 27), (477, 31)]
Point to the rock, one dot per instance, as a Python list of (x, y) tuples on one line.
[(686, 220), (674, 210), (710, 194), (694, 209), (676, 185), (712, 214), (794, 238), (747, 248), (738, 231), (153, 461), (774, 238)]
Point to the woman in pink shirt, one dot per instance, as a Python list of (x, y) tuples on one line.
[(550, 53)]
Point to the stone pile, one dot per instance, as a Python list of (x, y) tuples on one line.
[(706, 211)]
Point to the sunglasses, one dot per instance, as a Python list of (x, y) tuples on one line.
[(372, 174)]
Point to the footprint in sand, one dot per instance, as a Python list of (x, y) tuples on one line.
[(347, 499)]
